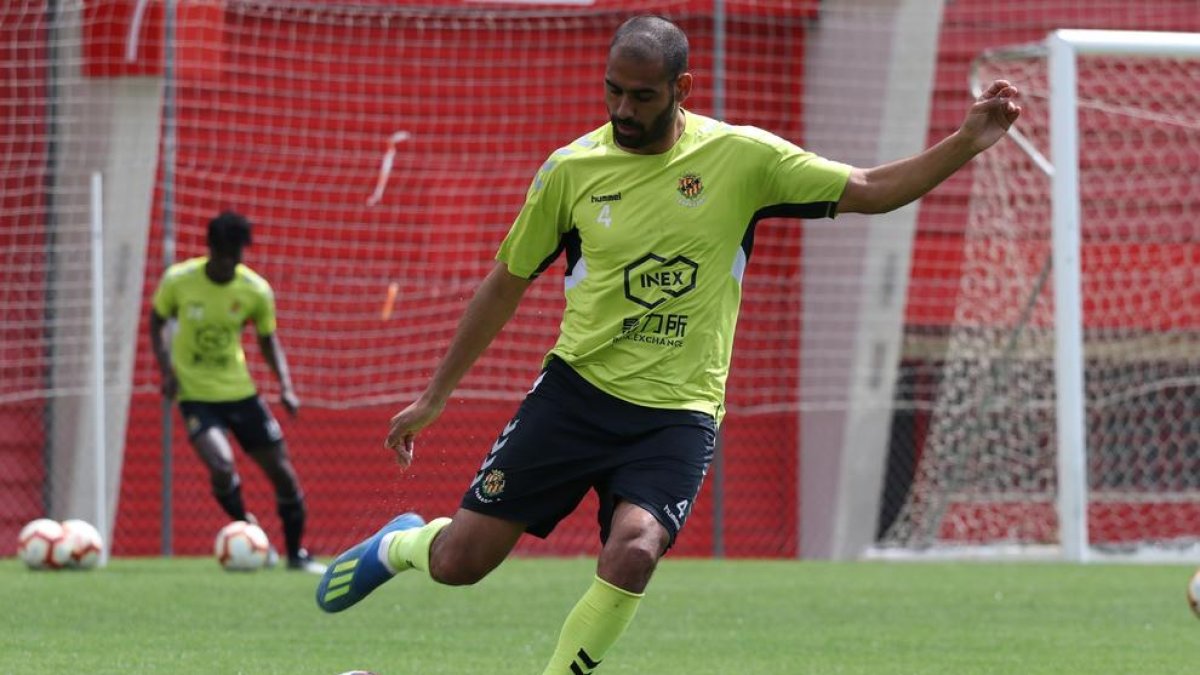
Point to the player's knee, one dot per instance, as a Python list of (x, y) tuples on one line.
[(638, 556), (630, 561)]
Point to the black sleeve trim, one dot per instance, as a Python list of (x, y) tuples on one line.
[(810, 210), (570, 243)]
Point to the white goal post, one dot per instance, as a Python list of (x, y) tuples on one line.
[(1064, 47), (1076, 276)]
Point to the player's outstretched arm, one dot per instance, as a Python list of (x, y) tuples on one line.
[(890, 186), (272, 351), (492, 306)]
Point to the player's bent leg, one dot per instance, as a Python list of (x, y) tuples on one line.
[(289, 503), (214, 450), (635, 544), (355, 573), (470, 547), (454, 551)]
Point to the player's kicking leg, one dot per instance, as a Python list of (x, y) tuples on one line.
[(360, 570), (467, 550)]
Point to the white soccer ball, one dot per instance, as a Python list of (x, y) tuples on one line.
[(42, 544), (84, 543), (242, 547), (1193, 593)]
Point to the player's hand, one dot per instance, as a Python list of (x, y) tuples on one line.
[(170, 385), (404, 428), (992, 114), (291, 402)]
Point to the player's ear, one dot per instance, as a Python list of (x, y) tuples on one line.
[(683, 87)]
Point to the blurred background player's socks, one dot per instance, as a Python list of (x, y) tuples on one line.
[(230, 500)]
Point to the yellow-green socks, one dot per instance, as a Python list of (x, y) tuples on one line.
[(598, 620), (410, 548)]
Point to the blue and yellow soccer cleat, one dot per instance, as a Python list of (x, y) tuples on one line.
[(358, 571)]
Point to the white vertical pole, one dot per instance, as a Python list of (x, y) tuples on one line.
[(99, 432), (170, 138), (718, 112), (1068, 303)]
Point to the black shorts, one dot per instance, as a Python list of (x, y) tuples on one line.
[(249, 420), (569, 437)]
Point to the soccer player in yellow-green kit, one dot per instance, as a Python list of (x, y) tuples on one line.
[(211, 299), (655, 213)]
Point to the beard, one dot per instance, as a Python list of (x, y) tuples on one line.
[(660, 126)]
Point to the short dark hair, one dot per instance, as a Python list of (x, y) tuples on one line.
[(648, 36), (229, 231)]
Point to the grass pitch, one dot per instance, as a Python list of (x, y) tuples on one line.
[(186, 615)]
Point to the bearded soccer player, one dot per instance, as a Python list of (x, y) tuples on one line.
[(212, 298), (655, 213)]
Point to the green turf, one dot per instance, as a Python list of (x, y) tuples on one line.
[(726, 618)]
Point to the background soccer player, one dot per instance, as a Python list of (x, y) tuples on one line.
[(655, 212), (213, 298)]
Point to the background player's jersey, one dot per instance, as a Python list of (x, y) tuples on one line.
[(656, 247), (207, 348)]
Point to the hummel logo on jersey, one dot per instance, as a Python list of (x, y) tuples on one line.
[(600, 199)]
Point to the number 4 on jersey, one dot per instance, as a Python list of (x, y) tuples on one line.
[(605, 216)]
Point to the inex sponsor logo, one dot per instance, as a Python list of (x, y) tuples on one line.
[(652, 279)]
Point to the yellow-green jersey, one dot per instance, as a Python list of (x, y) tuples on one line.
[(206, 351), (656, 247)]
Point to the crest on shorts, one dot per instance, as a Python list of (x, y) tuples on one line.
[(493, 483), (691, 189)]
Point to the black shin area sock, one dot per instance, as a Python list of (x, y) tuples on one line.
[(291, 514), (231, 501)]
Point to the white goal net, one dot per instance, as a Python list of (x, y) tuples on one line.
[(990, 473)]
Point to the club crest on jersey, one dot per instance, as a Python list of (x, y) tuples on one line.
[(691, 189), (493, 483)]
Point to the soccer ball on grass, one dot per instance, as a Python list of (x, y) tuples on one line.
[(241, 547), (49, 544), (42, 544), (84, 542)]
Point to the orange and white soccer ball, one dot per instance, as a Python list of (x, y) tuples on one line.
[(42, 544), (242, 547), (84, 542), (1193, 593)]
